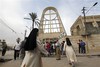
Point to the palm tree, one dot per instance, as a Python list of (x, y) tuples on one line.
[(34, 19)]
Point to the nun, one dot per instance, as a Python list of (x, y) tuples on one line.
[(33, 50), (70, 52)]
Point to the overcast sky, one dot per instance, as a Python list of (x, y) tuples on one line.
[(13, 12)]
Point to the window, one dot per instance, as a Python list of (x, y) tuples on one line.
[(78, 30), (90, 28)]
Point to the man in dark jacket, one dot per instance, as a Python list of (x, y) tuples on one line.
[(82, 44), (4, 47)]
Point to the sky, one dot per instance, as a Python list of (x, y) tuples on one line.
[(13, 12)]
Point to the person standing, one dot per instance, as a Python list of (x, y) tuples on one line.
[(4, 48), (48, 47), (33, 49), (62, 46), (83, 50), (0, 45), (70, 53), (79, 46), (58, 53), (54, 48), (17, 49), (22, 50)]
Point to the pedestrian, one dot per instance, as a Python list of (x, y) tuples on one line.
[(4, 48), (58, 53), (22, 50), (48, 47), (17, 49), (0, 46), (33, 50), (51, 48), (79, 46), (70, 53), (83, 50), (62, 46), (54, 48)]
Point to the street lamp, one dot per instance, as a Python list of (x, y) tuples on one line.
[(84, 13), (92, 7), (87, 10)]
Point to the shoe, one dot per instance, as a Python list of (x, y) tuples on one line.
[(57, 59), (70, 63)]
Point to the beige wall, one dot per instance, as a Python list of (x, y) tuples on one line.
[(93, 42), (80, 22)]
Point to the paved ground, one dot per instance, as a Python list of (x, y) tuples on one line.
[(91, 61)]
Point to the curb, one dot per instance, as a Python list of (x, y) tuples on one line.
[(84, 55)]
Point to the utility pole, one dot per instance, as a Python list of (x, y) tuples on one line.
[(84, 18), (86, 34), (84, 14), (25, 34)]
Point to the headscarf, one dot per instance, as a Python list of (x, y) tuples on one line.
[(31, 41), (68, 42)]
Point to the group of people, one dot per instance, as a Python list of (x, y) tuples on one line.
[(3, 45), (82, 48), (51, 47), (33, 49)]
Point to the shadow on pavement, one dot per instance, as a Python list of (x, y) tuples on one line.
[(4, 60)]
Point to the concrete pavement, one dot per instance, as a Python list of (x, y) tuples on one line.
[(84, 61), (52, 62)]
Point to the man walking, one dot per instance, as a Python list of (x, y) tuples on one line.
[(17, 49), (58, 54)]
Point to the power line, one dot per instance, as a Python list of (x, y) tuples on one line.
[(67, 1), (6, 25)]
